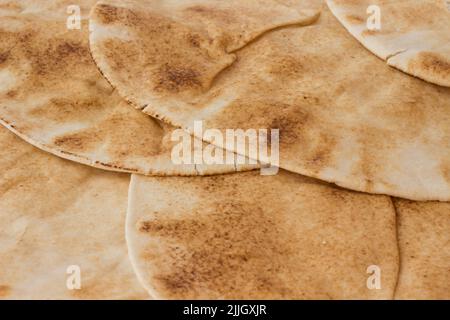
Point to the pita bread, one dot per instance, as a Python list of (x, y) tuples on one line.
[(245, 236), (54, 97), (344, 116), (205, 34), (424, 240), (56, 214), (414, 35)]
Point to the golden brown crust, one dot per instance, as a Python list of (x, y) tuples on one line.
[(244, 236), (55, 98), (344, 116)]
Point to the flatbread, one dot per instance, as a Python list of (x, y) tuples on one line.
[(414, 35), (245, 236), (424, 240), (205, 33), (343, 115), (53, 96), (56, 214)]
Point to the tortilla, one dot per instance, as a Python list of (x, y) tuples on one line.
[(245, 236), (53, 96), (413, 37), (343, 115), (56, 214), (424, 240)]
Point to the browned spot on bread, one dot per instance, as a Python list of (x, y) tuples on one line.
[(57, 56), (76, 142), (107, 14), (194, 40), (70, 108), (110, 15), (198, 8), (354, 19), (11, 94), (79, 141), (289, 121), (3, 57), (287, 66), (218, 247), (178, 78), (4, 291), (288, 134), (68, 48), (431, 62)]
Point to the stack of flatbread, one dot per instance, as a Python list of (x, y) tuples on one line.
[(93, 205)]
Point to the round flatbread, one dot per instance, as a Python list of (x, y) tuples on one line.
[(188, 43), (245, 236), (424, 244), (53, 96), (60, 220), (343, 115), (410, 35)]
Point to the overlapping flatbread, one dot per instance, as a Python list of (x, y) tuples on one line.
[(179, 47), (424, 244), (57, 216), (53, 96), (411, 35), (343, 115), (245, 236)]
